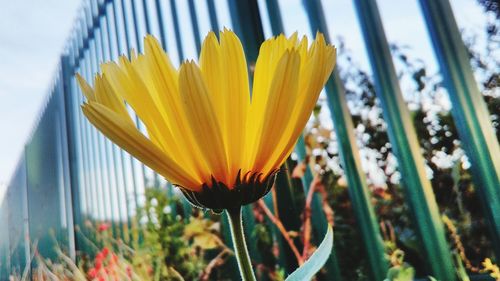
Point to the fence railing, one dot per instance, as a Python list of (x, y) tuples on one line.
[(70, 173)]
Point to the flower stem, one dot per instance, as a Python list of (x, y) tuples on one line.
[(240, 246)]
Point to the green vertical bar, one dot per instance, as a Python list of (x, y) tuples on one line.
[(180, 51), (89, 145), (81, 126), (212, 14), (194, 23), (402, 135), (90, 149), (115, 150), (469, 110), (105, 143), (119, 49), (319, 221), (161, 25), (349, 156), (246, 23), (177, 29), (68, 123), (101, 139), (288, 214), (86, 182), (79, 160), (137, 120)]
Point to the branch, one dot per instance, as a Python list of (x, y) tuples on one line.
[(276, 221), (218, 260), (307, 217)]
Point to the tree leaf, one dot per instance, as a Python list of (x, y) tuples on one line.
[(316, 261), (207, 241)]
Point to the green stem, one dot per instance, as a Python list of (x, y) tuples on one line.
[(240, 246)]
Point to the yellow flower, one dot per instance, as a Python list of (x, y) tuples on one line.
[(205, 132)]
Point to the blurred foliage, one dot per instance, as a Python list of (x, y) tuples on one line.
[(447, 163), (165, 247)]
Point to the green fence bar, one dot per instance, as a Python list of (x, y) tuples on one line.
[(117, 154), (84, 184), (161, 24), (469, 110), (212, 14), (349, 156), (90, 149), (247, 22), (292, 219), (102, 140), (177, 29), (418, 189), (194, 24), (123, 155), (96, 135), (289, 214), (124, 50), (72, 163), (87, 182)]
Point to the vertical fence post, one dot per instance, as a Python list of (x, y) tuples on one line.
[(212, 14), (116, 152), (71, 185), (194, 24), (187, 207), (177, 29), (137, 120), (88, 179), (126, 46), (87, 27), (402, 135), (349, 156), (284, 203), (469, 110), (247, 24), (319, 222), (108, 166), (83, 182)]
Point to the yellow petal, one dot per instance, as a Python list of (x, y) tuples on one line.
[(238, 98), (282, 98), (314, 74), (164, 77), (214, 75), (203, 121), (128, 84), (270, 53), (105, 95), (130, 139), (86, 89)]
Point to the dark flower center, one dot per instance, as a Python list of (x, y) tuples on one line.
[(218, 197)]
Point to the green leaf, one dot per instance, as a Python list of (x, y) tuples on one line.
[(316, 261), (403, 272)]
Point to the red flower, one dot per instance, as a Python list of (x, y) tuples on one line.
[(98, 264), (92, 273), (114, 258), (103, 227), (105, 251)]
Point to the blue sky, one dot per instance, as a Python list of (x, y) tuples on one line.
[(33, 33)]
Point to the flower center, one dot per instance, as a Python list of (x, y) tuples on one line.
[(218, 197)]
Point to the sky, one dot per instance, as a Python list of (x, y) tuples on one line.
[(33, 34)]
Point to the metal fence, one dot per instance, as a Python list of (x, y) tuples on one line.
[(69, 173)]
